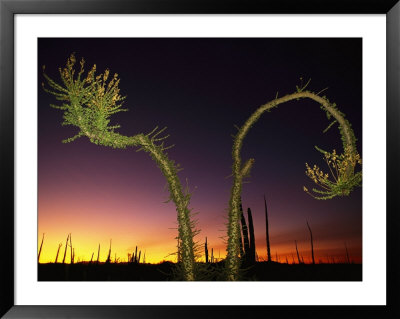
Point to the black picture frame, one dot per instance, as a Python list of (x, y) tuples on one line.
[(8, 10)]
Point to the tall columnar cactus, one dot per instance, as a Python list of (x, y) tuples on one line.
[(252, 255), (206, 251), (58, 251), (347, 254), (297, 251), (344, 178), (267, 231), (135, 256), (98, 255), (65, 251), (88, 102), (312, 244), (70, 244), (245, 233)]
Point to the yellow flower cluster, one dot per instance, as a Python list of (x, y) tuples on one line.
[(341, 167), (102, 96), (317, 175), (90, 75), (105, 96)]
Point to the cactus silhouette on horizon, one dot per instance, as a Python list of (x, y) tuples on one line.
[(245, 234), (297, 251), (66, 247), (312, 244), (267, 231), (40, 249), (58, 250), (206, 251), (252, 250)]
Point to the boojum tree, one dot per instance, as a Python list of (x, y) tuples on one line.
[(88, 102), (342, 179)]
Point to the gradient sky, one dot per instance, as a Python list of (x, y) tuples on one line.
[(199, 89)]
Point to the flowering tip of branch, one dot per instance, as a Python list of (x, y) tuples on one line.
[(341, 167)]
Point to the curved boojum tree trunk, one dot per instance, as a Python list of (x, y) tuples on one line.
[(88, 103), (240, 171)]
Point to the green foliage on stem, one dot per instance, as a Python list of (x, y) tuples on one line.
[(88, 103), (344, 178)]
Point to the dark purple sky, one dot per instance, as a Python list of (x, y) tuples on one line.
[(199, 89)]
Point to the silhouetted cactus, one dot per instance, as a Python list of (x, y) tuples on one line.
[(347, 254), (206, 251), (135, 259), (241, 248), (98, 254), (70, 245), (40, 250), (245, 234), (58, 250), (267, 231), (252, 250), (65, 251), (297, 251), (312, 244)]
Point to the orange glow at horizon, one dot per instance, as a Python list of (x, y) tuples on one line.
[(163, 247), (200, 89), (156, 253), (94, 220)]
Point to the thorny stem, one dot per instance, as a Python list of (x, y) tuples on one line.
[(175, 188), (232, 259), (92, 94)]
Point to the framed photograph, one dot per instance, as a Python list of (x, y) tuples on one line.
[(175, 159)]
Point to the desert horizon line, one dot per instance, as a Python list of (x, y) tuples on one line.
[(102, 254)]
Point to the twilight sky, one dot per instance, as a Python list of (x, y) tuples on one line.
[(200, 88)]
